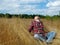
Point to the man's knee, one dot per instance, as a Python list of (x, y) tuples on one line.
[(36, 36), (53, 33)]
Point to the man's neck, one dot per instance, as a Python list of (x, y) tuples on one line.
[(37, 20)]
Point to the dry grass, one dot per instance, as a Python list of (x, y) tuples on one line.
[(53, 26), (14, 31)]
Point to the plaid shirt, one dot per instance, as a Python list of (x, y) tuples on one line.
[(37, 27)]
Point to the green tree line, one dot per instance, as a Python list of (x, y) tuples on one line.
[(7, 15)]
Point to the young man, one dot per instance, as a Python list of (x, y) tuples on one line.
[(38, 30)]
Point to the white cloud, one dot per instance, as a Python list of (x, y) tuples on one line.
[(6, 4), (53, 7), (31, 1), (14, 6), (22, 6), (55, 3)]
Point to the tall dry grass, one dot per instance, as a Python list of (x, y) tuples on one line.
[(14, 31), (53, 25)]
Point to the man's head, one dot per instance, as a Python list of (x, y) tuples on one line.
[(36, 18)]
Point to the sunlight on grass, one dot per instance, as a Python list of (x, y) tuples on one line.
[(14, 31)]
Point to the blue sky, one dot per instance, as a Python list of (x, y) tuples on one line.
[(50, 7)]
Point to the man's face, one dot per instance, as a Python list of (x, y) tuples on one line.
[(37, 18)]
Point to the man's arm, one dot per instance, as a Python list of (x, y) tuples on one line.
[(31, 27), (42, 26)]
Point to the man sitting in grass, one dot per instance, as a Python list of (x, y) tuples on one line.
[(38, 30)]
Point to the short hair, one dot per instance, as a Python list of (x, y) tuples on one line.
[(36, 17)]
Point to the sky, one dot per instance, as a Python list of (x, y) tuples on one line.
[(44, 7)]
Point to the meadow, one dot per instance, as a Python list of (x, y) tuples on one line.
[(14, 31)]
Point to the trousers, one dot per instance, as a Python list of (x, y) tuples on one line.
[(49, 35)]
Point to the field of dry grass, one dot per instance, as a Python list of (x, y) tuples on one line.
[(14, 31)]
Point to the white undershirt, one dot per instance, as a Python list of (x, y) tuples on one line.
[(37, 20)]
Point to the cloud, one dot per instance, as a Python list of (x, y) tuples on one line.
[(30, 6), (31, 1), (17, 6), (9, 6), (54, 4), (53, 7)]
